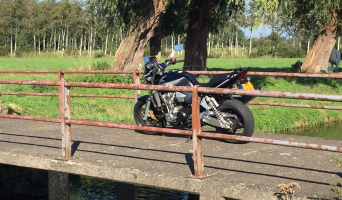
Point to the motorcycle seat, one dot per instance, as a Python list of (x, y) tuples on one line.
[(216, 80)]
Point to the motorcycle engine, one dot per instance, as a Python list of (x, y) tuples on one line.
[(178, 114)]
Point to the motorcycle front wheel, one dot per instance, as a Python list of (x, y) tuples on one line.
[(152, 120), (243, 125)]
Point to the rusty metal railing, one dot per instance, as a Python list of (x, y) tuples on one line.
[(250, 73), (196, 132), (136, 80)]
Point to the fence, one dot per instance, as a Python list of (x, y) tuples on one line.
[(136, 80), (196, 132)]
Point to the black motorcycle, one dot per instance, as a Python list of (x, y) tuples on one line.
[(226, 113)]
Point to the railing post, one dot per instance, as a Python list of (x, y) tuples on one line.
[(0, 101), (64, 101), (196, 130), (60, 77), (136, 80)]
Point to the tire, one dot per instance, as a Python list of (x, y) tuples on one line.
[(245, 119), (139, 111)]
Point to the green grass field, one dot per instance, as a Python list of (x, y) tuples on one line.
[(49, 63), (267, 118), (257, 64)]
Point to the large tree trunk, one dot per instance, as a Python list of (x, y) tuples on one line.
[(131, 50), (317, 58), (155, 43), (197, 34)]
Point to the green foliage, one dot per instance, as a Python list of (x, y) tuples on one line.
[(336, 189), (99, 54), (337, 161), (4, 50), (310, 16), (101, 66), (275, 46)]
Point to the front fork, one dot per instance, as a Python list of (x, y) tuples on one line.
[(147, 110), (148, 105)]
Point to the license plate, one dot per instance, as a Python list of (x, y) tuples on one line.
[(247, 86)]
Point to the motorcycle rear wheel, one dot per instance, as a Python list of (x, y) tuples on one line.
[(139, 112), (245, 119)]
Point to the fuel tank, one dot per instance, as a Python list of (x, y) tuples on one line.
[(179, 78), (176, 75)]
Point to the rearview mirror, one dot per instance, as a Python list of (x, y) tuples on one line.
[(146, 59), (178, 47)]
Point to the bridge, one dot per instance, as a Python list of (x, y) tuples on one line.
[(234, 171), (205, 165)]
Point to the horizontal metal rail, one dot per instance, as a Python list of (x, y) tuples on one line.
[(133, 97), (29, 82), (35, 118), (290, 95), (178, 131), (72, 95), (207, 90), (250, 73), (137, 81), (296, 105)]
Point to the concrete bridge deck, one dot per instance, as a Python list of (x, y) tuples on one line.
[(238, 171)]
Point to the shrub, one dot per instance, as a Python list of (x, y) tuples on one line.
[(4, 50), (101, 66), (99, 54)]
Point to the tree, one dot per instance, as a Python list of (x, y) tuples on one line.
[(321, 19), (173, 22), (252, 21), (205, 16), (139, 19)]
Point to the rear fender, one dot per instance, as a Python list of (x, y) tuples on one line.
[(246, 99)]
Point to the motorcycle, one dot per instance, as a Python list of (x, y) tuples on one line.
[(228, 114)]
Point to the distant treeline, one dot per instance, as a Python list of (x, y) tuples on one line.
[(72, 27)]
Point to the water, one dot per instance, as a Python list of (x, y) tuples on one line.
[(332, 131), (85, 188)]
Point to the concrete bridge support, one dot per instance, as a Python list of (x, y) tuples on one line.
[(58, 185), (124, 191)]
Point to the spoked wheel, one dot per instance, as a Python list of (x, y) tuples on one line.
[(151, 120), (243, 125)]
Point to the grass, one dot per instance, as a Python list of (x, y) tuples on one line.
[(267, 118), (50, 63)]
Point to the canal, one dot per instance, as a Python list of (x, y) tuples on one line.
[(332, 131)]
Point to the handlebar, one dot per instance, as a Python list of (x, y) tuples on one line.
[(173, 61), (159, 68)]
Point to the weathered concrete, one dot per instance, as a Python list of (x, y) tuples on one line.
[(58, 185), (239, 171)]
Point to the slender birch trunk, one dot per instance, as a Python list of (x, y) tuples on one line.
[(81, 45), (105, 53)]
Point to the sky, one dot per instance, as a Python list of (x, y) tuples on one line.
[(263, 31), (259, 32)]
